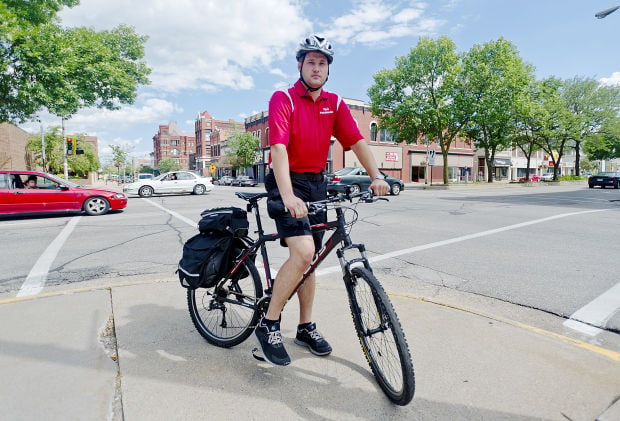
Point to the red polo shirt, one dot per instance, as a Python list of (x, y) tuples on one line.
[(306, 126)]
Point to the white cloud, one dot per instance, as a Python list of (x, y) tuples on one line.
[(374, 22), (201, 45), (278, 72), (614, 79)]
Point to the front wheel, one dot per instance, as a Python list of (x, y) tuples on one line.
[(395, 189), (96, 206), (381, 336), (226, 314)]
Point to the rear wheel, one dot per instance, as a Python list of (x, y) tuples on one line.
[(226, 314), (381, 336), (199, 189), (355, 188), (395, 189), (96, 206)]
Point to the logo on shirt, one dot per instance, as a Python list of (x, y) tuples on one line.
[(326, 110)]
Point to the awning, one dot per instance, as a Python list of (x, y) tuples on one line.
[(502, 162)]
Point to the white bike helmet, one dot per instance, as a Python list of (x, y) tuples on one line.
[(318, 44)]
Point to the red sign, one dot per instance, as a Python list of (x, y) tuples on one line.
[(391, 156)]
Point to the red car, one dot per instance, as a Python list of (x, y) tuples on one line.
[(532, 178), (36, 192)]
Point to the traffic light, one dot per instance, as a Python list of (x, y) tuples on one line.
[(70, 145)]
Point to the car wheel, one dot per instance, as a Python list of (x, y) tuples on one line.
[(591, 186), (145, 191), (616, 185), (354, 188), (395, 189), (96, 206), (199, 189)]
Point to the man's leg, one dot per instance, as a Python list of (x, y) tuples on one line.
[(301, 252)]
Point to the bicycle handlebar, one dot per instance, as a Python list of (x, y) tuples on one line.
[(365, 196)]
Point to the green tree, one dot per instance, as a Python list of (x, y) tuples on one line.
[(592, 106), (242, 150), (559, 125), (167, 165), (421, 96), (495, 78), (46, 66), (146, 169), (80, 165), (606, 143)]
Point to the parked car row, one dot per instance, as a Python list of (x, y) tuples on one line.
[(241, 180)]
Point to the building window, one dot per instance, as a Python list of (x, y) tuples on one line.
[(174, 152), (174, 142), (386, 136), (373, 132)]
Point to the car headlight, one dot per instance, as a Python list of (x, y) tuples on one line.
[(118, 196)]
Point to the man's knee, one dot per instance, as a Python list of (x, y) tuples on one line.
[(301, 250)]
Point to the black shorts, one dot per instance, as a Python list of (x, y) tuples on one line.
[(309, 188)]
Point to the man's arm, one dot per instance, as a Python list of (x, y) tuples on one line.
[(281, 171), (362, 152)]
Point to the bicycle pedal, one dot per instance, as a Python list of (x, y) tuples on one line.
[(255, 354)]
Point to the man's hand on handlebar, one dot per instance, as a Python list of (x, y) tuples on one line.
[(379, 187)]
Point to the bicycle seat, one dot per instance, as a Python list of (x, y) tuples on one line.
[(250, 197)]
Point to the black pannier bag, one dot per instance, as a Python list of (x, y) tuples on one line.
[(207, 256), (227, 221)]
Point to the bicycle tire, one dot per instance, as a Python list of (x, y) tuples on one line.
[(381, 336), (215, 314)]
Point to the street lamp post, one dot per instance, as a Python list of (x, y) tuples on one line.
[(604, 13)]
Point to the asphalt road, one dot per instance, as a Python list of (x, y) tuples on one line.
[(547, 247)]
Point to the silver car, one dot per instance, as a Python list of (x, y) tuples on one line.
[(172, 182)]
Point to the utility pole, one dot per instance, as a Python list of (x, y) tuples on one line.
[(43, 147), (64, 150)]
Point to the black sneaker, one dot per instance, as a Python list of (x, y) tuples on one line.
[(270, 342), (311, 338)]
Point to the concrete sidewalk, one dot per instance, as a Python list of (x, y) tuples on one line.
[(131, 352)]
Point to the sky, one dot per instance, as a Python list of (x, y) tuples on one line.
[(228, 56)]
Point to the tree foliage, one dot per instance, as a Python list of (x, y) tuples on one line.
[(79, 165), (46, 66), (495, 79), (242, 150), (421, 96), (167, 165)]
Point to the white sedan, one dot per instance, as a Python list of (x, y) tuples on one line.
[(171, 182)]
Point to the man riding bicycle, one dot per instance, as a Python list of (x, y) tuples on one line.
[(302, 121)]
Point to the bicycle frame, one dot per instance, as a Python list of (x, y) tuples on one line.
[(338, 236)]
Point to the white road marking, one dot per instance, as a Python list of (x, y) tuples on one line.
[(173, 213), (478, 235), (35, 281), (596, 312)]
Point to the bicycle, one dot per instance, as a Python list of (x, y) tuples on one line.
[(227, 314)]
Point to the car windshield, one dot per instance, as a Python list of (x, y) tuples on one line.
[(63, 181)]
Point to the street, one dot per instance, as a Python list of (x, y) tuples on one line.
[(547, 247)]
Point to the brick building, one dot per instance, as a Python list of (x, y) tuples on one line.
[(211, 136), (171, 142), (13, 155)]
